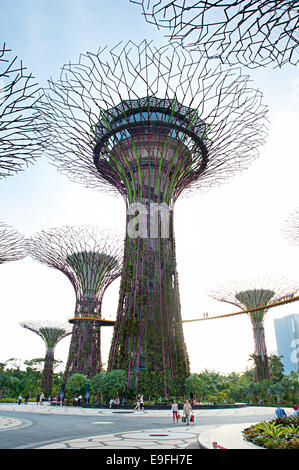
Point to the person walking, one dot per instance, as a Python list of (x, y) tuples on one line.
[(111, 402), (61, 397), (20, 399), (141, 404), (37, 398), (187, 409), (175, 410), (41, 398), (137, 407), (87, 398)]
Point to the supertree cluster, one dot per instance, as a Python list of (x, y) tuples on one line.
[(21, 135), (51, 332), (12, 244), (250, 32), (248, 294), (91, 260), (150, 123)]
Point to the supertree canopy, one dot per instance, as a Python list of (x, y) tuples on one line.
[(250, 32), (91, 259), (12, 245), (248, 295), (21, 136), (51, 332), (150, 123)]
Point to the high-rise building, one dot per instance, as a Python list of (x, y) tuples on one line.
[(287, 339)]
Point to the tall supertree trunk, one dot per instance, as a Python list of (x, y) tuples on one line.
[(47, 375), (148, 335), (261, 359), (85, 349)]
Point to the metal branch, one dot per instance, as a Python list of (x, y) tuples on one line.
[(12, 244), (290, 228), (250, 32), (21, 135)]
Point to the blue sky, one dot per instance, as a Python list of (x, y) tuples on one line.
[(231, 232)]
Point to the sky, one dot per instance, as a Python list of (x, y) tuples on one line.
[(231, 232)]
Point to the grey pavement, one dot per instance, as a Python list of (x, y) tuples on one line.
[(113, 429)]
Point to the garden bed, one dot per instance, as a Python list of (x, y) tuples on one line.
[(280, 433)]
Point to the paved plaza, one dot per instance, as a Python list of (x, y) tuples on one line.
[(94, 428)]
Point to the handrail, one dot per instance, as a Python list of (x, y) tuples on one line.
[(217, 446)]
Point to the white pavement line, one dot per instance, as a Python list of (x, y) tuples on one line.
[(9, 424), (102, 422)]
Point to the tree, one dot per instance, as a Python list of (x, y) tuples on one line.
[(291, 384), (253, 390), (116, 382), (193, 384), (77, 383), (277, 367), (278, 390), (98, 384)]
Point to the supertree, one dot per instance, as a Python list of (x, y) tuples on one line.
[(149, 123), (290, 228), (91, 259), (12, 244), (248, 294), (51, 332), (21, 135), (250, 32)]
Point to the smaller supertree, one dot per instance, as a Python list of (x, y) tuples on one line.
[(51, 332), (21, 135), (248, 295), (92, 260), (12, 246)]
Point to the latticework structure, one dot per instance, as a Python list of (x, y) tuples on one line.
[(290, 228), (12, 245), (151, 123), (91, 259), (51, 332), (249, 32), (250, 294), (21, 136)]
